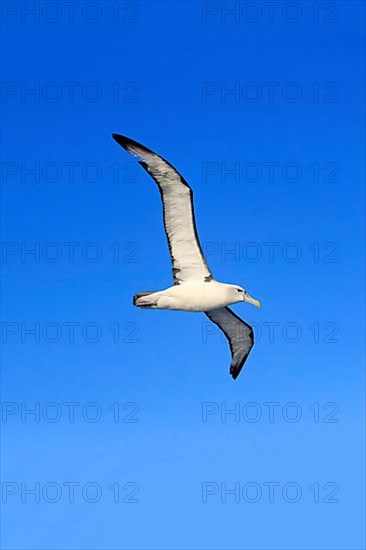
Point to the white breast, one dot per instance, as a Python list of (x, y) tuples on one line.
[(194, 296)]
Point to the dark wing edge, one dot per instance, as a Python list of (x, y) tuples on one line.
[(176, 279), (238, 333), (128, 144)]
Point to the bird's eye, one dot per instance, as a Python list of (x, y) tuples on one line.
[(239, 289)]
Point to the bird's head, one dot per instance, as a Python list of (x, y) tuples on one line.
[(239, 294)]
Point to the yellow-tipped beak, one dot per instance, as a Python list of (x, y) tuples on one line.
[(251, 300)]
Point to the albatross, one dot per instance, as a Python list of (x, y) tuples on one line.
[(194, 288)]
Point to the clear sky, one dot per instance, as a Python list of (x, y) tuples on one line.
[(132, 445)]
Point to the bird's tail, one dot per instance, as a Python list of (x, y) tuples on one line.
[(141, 299)]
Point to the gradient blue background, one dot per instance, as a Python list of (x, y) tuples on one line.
[(170, 371)]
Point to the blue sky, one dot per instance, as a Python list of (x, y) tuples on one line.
[(263, 113)]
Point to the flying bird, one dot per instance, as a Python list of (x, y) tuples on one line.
[(194, 288)]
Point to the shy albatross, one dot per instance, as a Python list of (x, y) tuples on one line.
[(194, 287)]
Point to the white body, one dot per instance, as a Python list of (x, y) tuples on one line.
[(193, 296)]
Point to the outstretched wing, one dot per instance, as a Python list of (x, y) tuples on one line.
[(238, 333), (187, 258)]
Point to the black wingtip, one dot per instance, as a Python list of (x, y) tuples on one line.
[(234, 373), (235, 369), (121, 140), (129, 144)]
